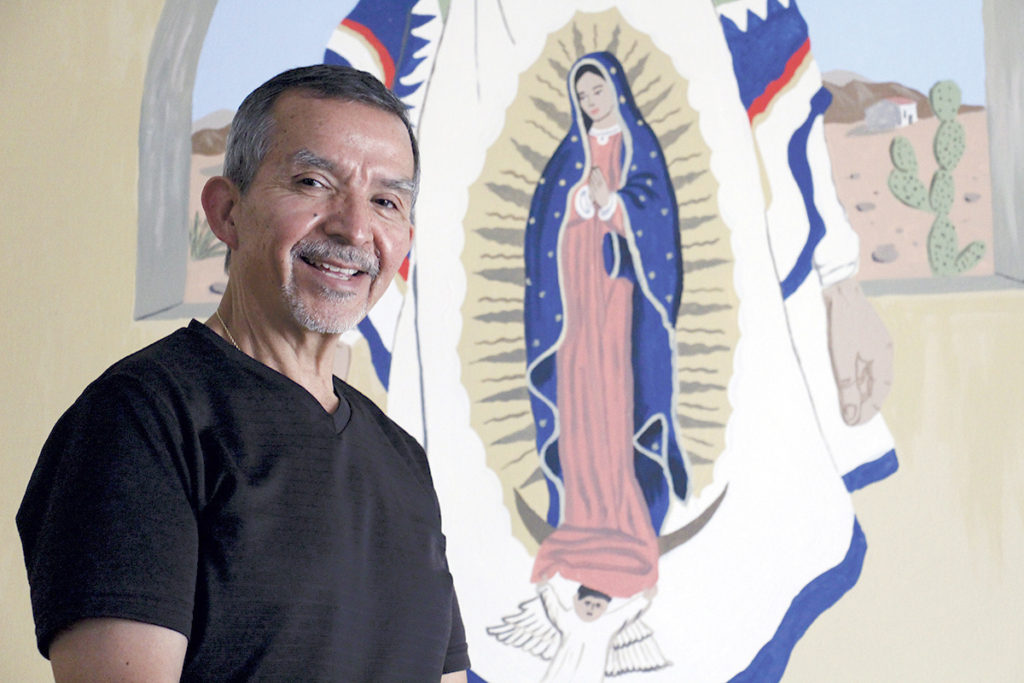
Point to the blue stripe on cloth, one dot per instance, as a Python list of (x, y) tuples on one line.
[(392, 23), (473, 678), (332, 57), (801, 170), (379, 354), (870, 472), (761, 51), (815, 598)]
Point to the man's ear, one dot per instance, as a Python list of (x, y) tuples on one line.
[(220, 200)]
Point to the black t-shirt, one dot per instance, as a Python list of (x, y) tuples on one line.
[(193, 487)]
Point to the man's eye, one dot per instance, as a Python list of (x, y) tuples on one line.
[(310, 182), (386, 203)]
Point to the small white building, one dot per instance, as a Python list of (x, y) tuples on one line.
[(891, 112)]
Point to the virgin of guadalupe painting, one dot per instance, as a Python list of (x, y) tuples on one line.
[(598, 383), (603, 286)]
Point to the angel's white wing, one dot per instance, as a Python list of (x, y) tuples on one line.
[(529, 629), (634, 649)]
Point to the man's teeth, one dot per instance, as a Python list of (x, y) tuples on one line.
[(340, 271), (334, 270)]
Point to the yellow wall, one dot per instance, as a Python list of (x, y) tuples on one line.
[(941, 596), (71, 80), (942, 593)]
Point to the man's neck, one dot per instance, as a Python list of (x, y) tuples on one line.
[(303, 356)]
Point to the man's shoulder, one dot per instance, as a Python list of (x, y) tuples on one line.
[(181, 358), (179, 352)]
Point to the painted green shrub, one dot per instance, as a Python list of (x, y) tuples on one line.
[(202, 243), (944, 254)]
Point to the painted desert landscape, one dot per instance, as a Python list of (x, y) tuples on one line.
[(893, 235), (205, 279)]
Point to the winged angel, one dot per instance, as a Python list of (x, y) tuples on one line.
[(583, 635)]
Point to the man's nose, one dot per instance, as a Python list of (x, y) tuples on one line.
[(350, 218)]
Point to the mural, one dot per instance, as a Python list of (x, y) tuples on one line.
[(518, 226), (880, 65), (596, 311), (604, 205), (901, 237), (631, 332), (656, 309)]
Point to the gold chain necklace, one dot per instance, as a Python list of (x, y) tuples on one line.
[(225, 326)]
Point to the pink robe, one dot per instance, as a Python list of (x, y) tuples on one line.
[(606, 540)]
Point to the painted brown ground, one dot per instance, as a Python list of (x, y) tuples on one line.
[(860, 167)]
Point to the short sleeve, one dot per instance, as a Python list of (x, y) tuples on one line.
[(107, 523), (457, 657)]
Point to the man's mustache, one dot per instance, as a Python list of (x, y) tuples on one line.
[(319, 251)]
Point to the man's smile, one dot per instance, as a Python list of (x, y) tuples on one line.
[(342, 262), (337, 271)]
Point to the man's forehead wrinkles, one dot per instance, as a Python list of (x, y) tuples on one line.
[(307, 157)]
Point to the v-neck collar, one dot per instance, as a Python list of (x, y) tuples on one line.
[(340, 417)]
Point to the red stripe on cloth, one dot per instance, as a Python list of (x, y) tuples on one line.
[(386, 63), (792, 64)]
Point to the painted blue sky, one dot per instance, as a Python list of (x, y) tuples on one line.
[(248, 42), (914, 43)]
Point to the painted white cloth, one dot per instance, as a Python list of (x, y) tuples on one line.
[(787, 520)]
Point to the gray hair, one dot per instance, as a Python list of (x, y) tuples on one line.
[(251, 129)]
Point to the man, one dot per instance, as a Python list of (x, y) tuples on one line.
[(218, 506)]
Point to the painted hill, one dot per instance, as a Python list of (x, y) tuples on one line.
[(210, 132), (210, 141), (853, 94)]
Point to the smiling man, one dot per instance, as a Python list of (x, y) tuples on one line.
[(218, 506)]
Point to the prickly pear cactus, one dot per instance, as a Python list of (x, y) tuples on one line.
[(908, 189), (945, 100), (969, 257), (948, 147), (942, 246), (949, 144), (903, 182), (903, 155), (940, 196), (942, 249)]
